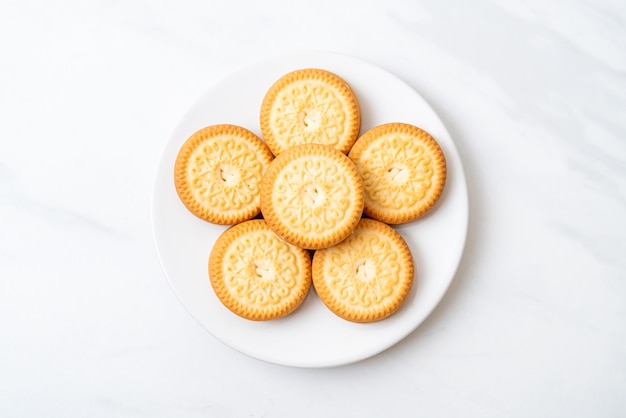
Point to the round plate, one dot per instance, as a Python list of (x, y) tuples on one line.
[(311, 336)]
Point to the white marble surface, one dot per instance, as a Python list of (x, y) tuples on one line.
[(534, 95)]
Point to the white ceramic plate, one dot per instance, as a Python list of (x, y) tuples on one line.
[(311, 336)]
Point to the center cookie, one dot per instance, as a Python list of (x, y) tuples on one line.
[(312, 196)]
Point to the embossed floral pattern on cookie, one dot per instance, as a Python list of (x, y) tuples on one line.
[(235, 167), (319, 202), (310, 112)]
